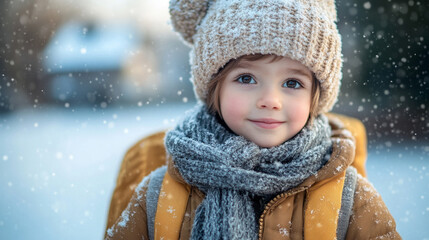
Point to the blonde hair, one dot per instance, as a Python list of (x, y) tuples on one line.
[(214, 86)]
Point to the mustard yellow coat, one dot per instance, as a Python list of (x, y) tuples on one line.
[(370, 217)]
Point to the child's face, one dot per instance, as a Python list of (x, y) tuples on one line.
[(266, 102)]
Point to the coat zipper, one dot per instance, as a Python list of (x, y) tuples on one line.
[(273, 202)]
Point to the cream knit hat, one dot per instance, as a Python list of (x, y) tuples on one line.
[(221, 30)]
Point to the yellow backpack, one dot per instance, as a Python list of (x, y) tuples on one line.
[(149, 154)]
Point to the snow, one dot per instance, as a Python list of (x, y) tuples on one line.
[(125, 218), (171, 209), (56, 179), (367, 5), (110, 232), (140, 186), (283, 231)]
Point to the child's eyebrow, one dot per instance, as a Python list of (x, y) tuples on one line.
[(244, 64), (300, 72)]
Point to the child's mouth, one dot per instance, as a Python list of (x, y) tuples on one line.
[(267, 123)]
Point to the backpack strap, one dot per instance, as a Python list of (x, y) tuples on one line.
[(172, 202), (330, 200), (152, 196), (322, 208), (347, 202)]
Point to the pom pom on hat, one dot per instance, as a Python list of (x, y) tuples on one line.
[(221, 30), (187, 15)]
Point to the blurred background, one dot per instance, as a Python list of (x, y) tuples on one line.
[(81, 81)]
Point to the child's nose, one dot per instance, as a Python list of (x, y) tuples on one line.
[(270, 100)]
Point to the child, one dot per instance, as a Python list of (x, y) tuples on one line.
[(259, 158)]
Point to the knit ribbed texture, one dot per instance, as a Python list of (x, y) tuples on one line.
[(231, 170), (221, 30), (346, 202)]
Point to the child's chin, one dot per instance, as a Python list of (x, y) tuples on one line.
[(269, 143)]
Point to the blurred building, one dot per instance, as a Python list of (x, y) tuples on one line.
[(90, 53), (83, 61)]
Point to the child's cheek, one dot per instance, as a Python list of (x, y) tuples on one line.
[(299, 112), (233, 109)]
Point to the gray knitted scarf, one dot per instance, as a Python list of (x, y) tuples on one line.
[(231, 170)]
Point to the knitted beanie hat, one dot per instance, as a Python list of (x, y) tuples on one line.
[(221, 30)]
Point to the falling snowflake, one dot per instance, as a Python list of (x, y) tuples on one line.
[(171, 209), (284, 232)]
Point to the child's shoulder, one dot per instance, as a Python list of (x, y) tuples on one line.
[(358, 132), (136, 171), (371, 213), (140, 160)]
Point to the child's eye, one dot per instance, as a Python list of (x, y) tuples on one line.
[(292, 84), (246, 79)]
